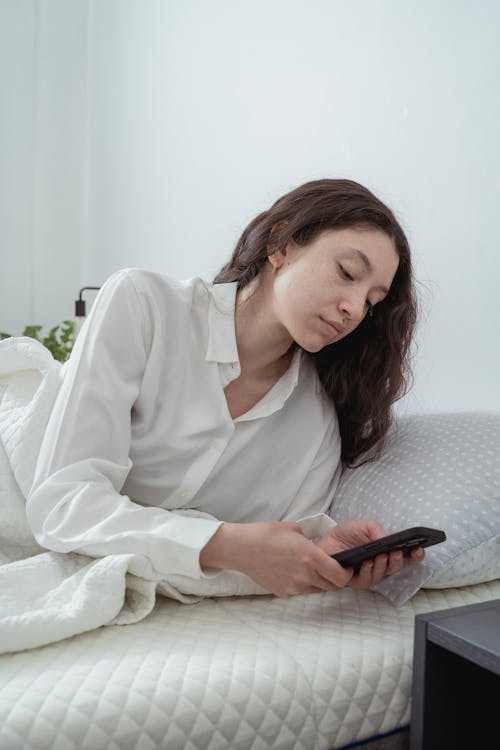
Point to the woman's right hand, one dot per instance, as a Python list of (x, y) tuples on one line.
[(277, 556)]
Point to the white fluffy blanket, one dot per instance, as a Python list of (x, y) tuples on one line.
[(47, 596)]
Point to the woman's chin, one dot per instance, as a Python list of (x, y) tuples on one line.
[(312, 345)]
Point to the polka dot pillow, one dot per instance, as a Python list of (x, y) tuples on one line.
[(438, 470)]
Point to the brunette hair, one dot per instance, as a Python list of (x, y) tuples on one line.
[(368, 370)]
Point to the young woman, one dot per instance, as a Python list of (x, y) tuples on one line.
[(205, 426)]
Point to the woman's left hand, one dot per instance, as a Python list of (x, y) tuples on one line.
[(354, 532)]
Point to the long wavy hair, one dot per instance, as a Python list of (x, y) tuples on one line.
[(368, 370)]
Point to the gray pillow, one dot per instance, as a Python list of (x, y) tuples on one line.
[(438, 470)]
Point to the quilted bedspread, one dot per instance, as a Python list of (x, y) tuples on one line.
[(243, 673)]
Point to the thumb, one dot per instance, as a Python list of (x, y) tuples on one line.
[(332, 570)]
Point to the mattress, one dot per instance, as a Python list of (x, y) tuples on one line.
[(244, 673)]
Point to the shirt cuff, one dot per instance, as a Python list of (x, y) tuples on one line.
[(316, 527), (178, 552)]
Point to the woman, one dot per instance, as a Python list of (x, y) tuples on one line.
[(204, 426)]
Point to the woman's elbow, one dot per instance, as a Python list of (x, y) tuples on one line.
[(46, 516)]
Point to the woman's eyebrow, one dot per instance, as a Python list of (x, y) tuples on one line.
[(360, 255)]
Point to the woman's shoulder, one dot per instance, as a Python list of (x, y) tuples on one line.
[(150, 285)]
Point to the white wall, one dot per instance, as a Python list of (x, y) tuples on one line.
[(17, 51), (43, 159), (179, 121)]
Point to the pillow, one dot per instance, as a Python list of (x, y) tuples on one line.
[(439, 470)]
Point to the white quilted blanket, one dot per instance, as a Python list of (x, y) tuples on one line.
[(244, 673), (48, 596)]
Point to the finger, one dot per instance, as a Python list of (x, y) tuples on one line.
[(417, 554), (395, 563), (380, 568), (317, 581), (331, 570), (375, 529), (312, 575), (363, 579)]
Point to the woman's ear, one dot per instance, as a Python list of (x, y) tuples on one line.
[(273, 242), (277, 259), (276, 251)]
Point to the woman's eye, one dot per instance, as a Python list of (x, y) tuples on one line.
[(345, 274)]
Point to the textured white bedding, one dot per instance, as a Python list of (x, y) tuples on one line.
[(306, 673), (225, 673)]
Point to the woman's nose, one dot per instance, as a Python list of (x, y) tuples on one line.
[(354, 308)]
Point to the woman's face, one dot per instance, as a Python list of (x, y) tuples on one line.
[(322, 291)]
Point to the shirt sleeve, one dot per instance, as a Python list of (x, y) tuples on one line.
[(75, 502), (316, 527)]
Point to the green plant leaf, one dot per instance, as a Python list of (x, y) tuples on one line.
[(59, 339)]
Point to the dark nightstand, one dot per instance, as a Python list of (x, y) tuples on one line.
[(456, 678)]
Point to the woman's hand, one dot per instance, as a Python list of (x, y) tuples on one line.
[(277, 556), (352, 533)]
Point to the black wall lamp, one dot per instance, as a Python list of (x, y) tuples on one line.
[(80, 302), (80, 310)]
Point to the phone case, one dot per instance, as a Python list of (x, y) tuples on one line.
[(418, 536)]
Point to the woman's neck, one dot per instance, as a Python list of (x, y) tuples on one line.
[(265, 347)]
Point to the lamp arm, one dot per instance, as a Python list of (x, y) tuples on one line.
[(80, 310)]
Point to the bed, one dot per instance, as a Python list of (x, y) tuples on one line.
[(305, 673), (318, 672)]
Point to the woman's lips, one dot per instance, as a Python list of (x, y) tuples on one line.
[(331, 327)]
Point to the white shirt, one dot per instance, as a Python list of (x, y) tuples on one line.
[(140, 435)]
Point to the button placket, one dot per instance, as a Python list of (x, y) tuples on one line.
[(199, 471)]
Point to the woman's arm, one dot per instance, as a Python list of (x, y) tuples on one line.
[(276, 555), (282, 560), (75, 502)]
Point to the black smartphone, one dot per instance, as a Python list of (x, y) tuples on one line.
[(418, 536)]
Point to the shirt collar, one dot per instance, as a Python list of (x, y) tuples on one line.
[(222, 348), (221, 331), (279, 393)]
